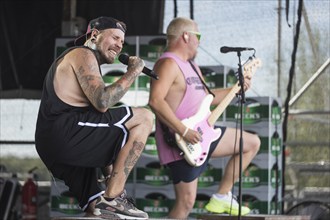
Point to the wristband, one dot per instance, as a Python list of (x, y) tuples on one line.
[(185, 132)]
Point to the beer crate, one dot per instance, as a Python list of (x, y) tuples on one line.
[(255, 111), (62, 202), (153, 176)]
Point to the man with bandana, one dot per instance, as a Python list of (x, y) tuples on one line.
[(80, 129)]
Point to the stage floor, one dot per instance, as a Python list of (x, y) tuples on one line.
[(213, 217)]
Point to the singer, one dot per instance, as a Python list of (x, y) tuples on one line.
[(79, 129), (178, 95)]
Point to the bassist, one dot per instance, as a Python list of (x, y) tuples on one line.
[(178, 95)]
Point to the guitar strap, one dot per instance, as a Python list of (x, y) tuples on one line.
[(207, 88)]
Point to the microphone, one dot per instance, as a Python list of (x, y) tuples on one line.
[(123, 58), (234, 49)]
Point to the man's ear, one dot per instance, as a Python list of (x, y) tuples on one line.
[(94, 34), (186, 37)]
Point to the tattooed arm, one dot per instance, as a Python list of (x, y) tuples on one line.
[(87, 71)]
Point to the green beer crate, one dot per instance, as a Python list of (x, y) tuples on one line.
[(255, 110), (151, 147), (153, 175), (143, 83), (253, 177), (210, 177), (214, 76), (270, 151), (157, 205), (271, 144), (200, 202), (62, 202)]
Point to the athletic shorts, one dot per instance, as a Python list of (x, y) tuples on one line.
[(181, 170), (81, 143)]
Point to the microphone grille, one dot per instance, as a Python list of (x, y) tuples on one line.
[(123, 58), (224, 49)]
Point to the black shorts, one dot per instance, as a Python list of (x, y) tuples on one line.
[(80, 143), (181, 170)]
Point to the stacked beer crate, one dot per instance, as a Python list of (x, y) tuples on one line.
[(154, 192), (262, 180)]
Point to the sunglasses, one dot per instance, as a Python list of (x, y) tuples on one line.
[(198, 35)]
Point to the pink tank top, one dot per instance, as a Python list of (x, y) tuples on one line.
[(190, 103)]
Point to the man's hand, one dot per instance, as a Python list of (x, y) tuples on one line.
[(192, 136), (135, 65), (247, 82)]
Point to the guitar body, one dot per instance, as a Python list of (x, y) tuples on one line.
[(196, 154)]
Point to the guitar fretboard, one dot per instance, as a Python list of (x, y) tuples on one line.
[(248, 69)]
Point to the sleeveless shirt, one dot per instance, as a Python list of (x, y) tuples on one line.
[(51, 107), (189, 105)]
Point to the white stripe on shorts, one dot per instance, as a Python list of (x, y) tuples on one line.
[(88, 124), (120, 125)]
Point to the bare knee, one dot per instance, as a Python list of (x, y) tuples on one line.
[(255, 143), (148, 117), (188, 202), (143, 118)]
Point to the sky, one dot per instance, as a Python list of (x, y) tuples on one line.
[(253, 23)]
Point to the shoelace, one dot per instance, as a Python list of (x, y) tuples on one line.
[(127, 199)]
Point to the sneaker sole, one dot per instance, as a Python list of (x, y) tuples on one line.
[(212, 209), (112, 215), (216, 208)]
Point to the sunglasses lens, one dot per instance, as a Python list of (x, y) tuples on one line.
[(197, 34)]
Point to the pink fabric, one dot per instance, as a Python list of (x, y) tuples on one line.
[(189, 105)]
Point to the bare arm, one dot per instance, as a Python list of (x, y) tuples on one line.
[(89, 77), (165, 94)]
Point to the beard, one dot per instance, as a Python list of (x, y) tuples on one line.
[(105, 57)]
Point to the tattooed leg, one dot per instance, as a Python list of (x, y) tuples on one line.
[(133, 156), (140, 127)]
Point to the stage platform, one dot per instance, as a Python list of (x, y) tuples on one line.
[(212, 217), (253, 217)]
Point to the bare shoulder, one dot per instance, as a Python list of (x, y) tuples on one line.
[(83, 61), (81, 55), (167, 65)]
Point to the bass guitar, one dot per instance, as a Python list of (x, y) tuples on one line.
[(203, 121)]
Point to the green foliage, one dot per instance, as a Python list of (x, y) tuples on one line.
[(21, 167)]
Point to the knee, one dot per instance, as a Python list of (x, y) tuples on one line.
[(188, 203), (255, 143), (148, 117)]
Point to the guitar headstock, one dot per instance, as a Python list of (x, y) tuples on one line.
[(251, 66)]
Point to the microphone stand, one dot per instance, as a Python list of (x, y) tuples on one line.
[(242, 101)]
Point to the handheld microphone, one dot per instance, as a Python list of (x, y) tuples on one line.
[(234, 49), (123, 58)]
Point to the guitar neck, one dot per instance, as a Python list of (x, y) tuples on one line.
[(249, 68), (223, 105)]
